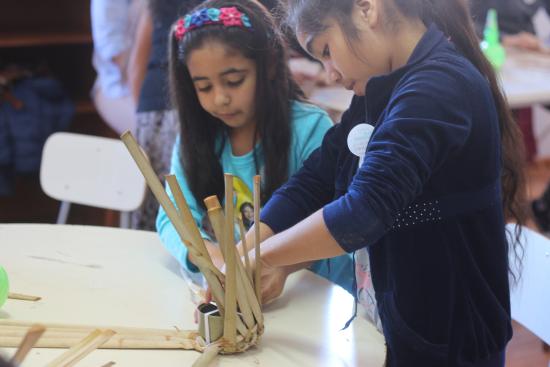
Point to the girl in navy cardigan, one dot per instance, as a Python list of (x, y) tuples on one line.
[(421, 188)]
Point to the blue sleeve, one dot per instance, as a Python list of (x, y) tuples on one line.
[(427, 121), (109, 27), (338, 270), (309, 135), (165, 229)]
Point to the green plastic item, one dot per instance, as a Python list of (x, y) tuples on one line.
[(491, 46), (4, 286)]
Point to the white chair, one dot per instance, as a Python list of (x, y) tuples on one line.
[(92, 171), (530, 298)]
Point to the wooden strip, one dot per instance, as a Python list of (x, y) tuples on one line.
[(246, 258), (113, 343), (215, 214), (188, 221), (71, 334), (158, 190), (205, 266), (82, 349), (200, 252), (23, 297), (250, 294), (208, 356), (89, 328), (217, 219), (230, 319), (258, 270), (28, 342)]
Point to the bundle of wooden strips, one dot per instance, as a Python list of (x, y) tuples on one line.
[(67, 336), (234, 292), (84, 347)]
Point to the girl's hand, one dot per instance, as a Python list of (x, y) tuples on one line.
[(214, 252), (273, 279), (273, 283)]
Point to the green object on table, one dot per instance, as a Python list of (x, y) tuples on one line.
[(491, 46), (4, 286)]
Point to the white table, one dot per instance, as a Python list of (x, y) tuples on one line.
[(106, 276), (525, 78)]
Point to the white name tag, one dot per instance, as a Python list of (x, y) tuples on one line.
[(358, 139)]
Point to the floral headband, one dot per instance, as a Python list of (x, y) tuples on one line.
[(229, 17)]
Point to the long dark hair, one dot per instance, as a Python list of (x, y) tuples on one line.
[(453, 18), (275, 91)]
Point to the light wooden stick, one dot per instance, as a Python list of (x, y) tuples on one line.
[(82, 349), (66, 336), (243, 240), (109, 364), (23, 297), (245, 290), (5, 323), (207, 357), (206, 267), (205, 264), (116, 342), (258, 270), (229, 327), (215, 214), (194, 235), (158, 190), (187, 218), (28, 342)]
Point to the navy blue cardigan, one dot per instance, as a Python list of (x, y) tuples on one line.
[(427, 203)]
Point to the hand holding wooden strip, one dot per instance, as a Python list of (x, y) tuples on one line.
[(245, 289), (188, 220), (158, 190)]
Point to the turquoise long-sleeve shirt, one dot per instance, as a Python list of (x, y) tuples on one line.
[(308, 127)]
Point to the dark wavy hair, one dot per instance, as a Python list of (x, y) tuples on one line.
[(275, 91), (453, 18)]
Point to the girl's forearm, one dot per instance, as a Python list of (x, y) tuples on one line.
[(307, 241)]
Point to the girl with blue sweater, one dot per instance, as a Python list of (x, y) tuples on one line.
[(240, 113), (424, 192)]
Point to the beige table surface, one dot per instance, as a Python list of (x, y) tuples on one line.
[(107, 276)]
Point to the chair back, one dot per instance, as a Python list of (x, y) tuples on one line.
[(92, 171)]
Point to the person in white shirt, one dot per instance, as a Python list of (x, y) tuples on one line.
[(113, 22)]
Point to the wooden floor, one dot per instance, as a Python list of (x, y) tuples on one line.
[(525, 349)]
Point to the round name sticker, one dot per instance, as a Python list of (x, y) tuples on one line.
[(358, 139)]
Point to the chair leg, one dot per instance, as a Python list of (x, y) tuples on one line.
[(124, 219), (63, 212)]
